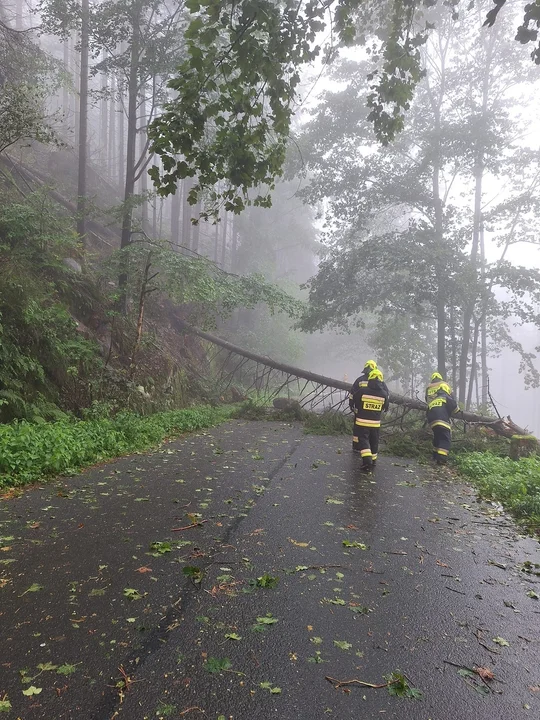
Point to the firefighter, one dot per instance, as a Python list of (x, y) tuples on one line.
[(370, 401), (360, 382), (440, 406)]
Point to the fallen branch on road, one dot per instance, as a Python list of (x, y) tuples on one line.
[(188, 527)]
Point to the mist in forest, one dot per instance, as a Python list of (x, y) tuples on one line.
[(421, 253)]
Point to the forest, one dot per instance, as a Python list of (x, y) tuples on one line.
[(269, 359), (313, 183)]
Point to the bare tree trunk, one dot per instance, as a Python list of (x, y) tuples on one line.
[(176, 205), (112, 131), (76, 80), (483, 330), (121, 144), (144, 174), (129, 187), (234, 246), (186, 215), (83, 123), (103, 125), (196, 228), (474, 364), (453, 341), (65, 89), (145, 290), (224, 241), (216, 242)]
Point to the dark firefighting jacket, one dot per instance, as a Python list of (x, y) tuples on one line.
[(360, 382), (370, 402), (441, 404)]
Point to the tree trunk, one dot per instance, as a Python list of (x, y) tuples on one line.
[(144, 174), (65, 89), (112, 131), (224, 241), (483, 329), (216, 242), (502, 426), (234, 245), (474, 367), (104, 120), (176, 205), (186, 215), (196, 234), (83, 124), (129, 187)]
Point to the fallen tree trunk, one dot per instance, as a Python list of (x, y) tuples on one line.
[(502, 426)]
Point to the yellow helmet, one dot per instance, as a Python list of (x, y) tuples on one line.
[(375, 375), (371, 364), (436, 376)]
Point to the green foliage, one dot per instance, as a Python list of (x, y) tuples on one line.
[(198, 283), (328, 423), (515, 484), (237, 89), (45, 363), (400, 686), (30, 452), (252, 409)]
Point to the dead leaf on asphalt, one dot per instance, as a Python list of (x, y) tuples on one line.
[(484, 672)]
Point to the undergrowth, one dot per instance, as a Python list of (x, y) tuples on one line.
[(513, 483), (30, 452)]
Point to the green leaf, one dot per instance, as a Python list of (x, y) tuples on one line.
[(44, 667), (216, 665), (66, 669), (233, 636), (268, 686), (32, 690), (132, 594), (355, 544), (501, 641), (533, 595), (267, 581), (5, 705), (343, 644), (35, 587)]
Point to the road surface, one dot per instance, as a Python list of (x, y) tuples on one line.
[(233, 571)]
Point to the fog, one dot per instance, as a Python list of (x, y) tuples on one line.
[(421, 252)]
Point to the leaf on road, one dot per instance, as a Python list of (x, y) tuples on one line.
[(32, 690), (501, 641), (216, 665), (132, 594), (66, 669), (298, 544), (233, 636), (533, 595), (343, 644), (5, 705), (268, 686), (355, 544), (484, 672)]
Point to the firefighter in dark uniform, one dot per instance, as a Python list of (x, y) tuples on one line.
[(440, 406), (370, 402), (360, 382)]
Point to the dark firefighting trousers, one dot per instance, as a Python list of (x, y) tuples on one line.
[(442, 439), (366, 443)]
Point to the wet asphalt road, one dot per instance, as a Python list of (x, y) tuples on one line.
[(401, 571)]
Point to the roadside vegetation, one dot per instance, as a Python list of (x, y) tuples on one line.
[(33, 451)]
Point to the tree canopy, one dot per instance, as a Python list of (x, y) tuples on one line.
[(237, 89)]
